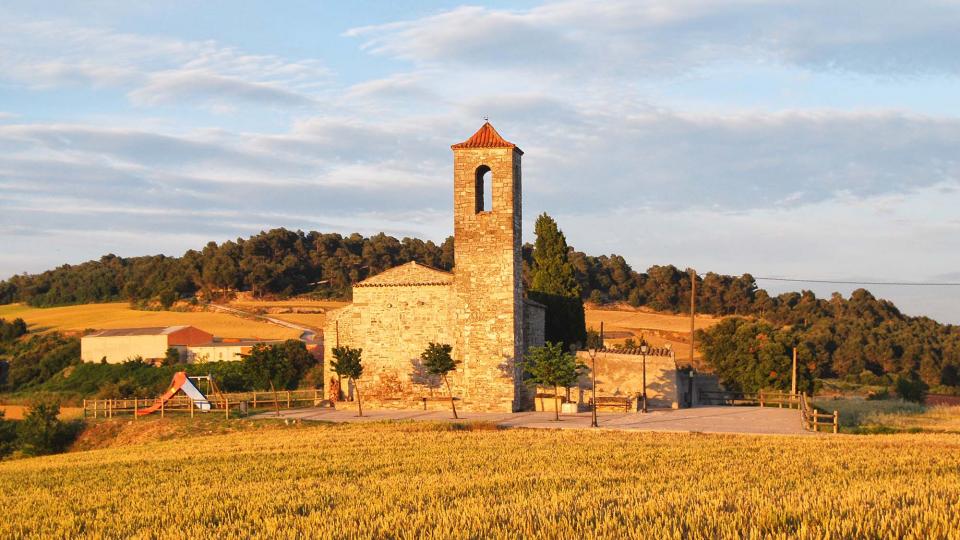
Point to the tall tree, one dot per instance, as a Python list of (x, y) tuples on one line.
[(347, 363), (553, 283), (437, 360)]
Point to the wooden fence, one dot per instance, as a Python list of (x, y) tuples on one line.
[(223, 403), (810, 418), (763, 399)]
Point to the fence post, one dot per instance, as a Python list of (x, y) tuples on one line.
[(254, 399), (110, 409), (836, 422), (288, 399), (761, 398), (192, 406), (816, 418), (226, 406), (84, 408), (136, 408)]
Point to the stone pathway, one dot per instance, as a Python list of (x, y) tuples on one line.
[(753, 420)]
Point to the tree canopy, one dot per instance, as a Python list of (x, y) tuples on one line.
[(551, 365), (437, 360)]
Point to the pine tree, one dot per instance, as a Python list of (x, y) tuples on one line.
[(553, 283), (552, 271)]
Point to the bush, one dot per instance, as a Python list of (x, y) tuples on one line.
[(8, 436), (911, 388), (41, 431), (284, 365)]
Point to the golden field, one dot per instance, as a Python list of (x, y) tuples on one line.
[(17, 412), (444, 481), (657, 328), (119, 315), (314, 320)]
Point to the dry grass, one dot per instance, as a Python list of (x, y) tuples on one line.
[(16, 412), (428, 481), (119, 315), (887, 415), (659, 329), (941, 418), (314, 320), (294, 303)]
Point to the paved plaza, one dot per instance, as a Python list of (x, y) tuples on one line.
[(753, 420)]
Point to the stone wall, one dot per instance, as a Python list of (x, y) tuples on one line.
[(393, 325), (534, 325), (622, 375)]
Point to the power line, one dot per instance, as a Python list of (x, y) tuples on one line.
[(841, 282)]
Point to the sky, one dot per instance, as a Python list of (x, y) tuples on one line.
[(800, 139)]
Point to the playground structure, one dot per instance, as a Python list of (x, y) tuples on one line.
[(184, 397), (181, 382)]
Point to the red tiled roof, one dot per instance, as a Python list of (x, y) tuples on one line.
[(486, 137)]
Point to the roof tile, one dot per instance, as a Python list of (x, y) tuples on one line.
[(486, 137)]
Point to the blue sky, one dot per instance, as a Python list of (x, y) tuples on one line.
[(791, 138)]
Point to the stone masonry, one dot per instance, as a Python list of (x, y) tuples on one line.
[(480, 308)]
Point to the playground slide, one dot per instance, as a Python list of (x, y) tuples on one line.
[(180, 382)]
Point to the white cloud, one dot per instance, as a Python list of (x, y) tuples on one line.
[(199, 85), (155, 69), (634, 37), (587, 89)]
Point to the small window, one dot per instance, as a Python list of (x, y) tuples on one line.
[(484, 189)]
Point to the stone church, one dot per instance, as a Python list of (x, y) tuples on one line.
[(479, 308)]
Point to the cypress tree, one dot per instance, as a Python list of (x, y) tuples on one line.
[(552, 283)]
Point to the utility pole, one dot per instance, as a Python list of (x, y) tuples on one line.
[(793, 384), (693, 309)]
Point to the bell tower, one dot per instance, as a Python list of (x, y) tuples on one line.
[(487, 274)]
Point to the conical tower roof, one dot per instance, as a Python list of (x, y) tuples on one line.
[(486, 137)]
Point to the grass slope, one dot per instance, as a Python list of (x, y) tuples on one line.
[(119, 315), (437, 481)]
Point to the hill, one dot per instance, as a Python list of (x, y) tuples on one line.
[(859, 338), (337, 481)]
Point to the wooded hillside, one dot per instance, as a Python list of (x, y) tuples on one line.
[(855, 338)]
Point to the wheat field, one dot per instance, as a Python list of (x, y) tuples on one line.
[(119, 315), (441, 481)]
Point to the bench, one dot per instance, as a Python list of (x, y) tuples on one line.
[(445, 399), (614, 402)]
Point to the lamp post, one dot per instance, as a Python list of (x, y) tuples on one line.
[(643, 350), (593, 346), (592, 350)]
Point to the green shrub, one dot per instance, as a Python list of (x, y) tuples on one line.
[(911, 388), (42, 432), (8, 436)]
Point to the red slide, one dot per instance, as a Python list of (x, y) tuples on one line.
[(179, 378)]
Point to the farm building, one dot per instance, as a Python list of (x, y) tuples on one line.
[(222, 351), (121, 344), (479, 308)]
